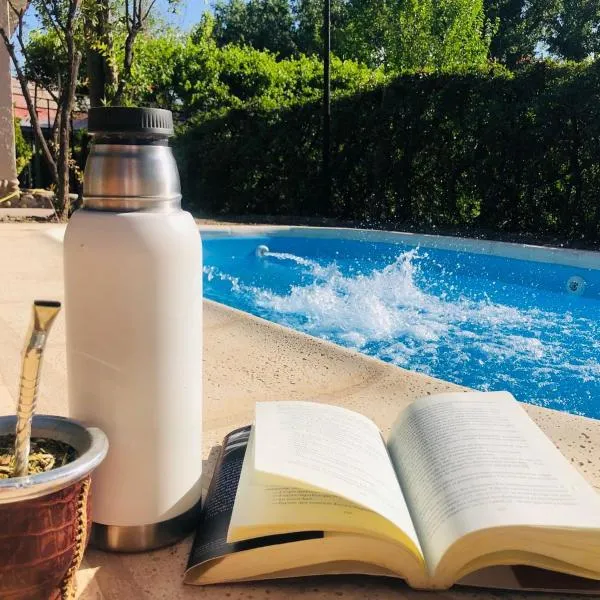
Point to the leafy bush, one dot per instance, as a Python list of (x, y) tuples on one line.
[(208, 80), (487, 148), (23, 150)]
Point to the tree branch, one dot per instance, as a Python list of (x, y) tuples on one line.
[(19, 34), (136, 12), (56, 125), (73, 8), (55, 25), (128, 21), (55, 97), (135, 24), (66, 107), (143, 20), (127, 62), (133, 28), (35, 123), (23, 47)]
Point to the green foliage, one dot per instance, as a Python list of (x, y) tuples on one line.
[(416, 34), (442, 35), (308, 34), (520, 25), (262, 24), (208, 79), (23, 150), (110, 45), (574, 30), (568, 29), (152, 81), (46, 61), (46, 58), (397, 34), (486, 148)]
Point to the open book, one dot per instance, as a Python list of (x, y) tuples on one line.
[(466, 490)]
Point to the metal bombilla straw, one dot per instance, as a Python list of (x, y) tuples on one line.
[(44, 313)]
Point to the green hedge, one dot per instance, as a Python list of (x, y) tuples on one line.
[(509, 152), (23, 151)]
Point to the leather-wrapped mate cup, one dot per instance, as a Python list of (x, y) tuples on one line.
[(45, 519), (43, 540)]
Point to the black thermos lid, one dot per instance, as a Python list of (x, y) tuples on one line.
[(128, 121)]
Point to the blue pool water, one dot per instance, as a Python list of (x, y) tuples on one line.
[(486, 322)]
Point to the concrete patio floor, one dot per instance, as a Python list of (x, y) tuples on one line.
[(246, 359)]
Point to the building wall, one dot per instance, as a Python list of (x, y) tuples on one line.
[(8, 172), (45, 106)]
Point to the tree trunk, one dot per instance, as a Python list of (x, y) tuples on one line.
[(127, 62), (96, 79), (64, 149), (101, 74), (62, 191)]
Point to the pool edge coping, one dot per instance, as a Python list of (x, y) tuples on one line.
[(584, 259)]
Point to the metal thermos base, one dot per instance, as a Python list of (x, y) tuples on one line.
[(139, 538)]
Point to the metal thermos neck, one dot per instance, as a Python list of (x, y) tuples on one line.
[(126, 177)]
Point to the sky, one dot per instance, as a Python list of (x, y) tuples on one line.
[(187, 15), (188, 12)]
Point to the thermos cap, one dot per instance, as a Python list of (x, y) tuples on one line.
[(130, 166), (130, 121)]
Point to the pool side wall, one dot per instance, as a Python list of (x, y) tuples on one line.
[(585, 259)]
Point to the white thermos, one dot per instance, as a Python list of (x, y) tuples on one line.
[(133, 308)]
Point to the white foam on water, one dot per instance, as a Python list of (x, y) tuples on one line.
[(212, 273), (315, 269), (387, 304)]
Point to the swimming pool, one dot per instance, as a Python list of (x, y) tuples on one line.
[(464, 315)]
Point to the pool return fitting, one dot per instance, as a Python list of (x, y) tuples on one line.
[(261, 250), (576, 285)]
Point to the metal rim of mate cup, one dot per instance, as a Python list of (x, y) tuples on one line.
[(90, 443)]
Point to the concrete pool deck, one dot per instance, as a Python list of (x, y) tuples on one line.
[(246, 359)]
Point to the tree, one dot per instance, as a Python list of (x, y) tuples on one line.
[(99, 52), (111, 28), (106, 76), (567, 29), (153, 79), (64, 18), (574, 29), (46, 60), (262, 24), (520, 27), (308, 17), (408, 35), (52, 59), (397, 34)]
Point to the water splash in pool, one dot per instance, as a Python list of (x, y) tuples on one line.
[(387, 304), (377, 306), (402, 314), (312, 266)]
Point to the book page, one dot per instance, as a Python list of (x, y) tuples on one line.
[(328, 449), (472, 461), (210, 542), (261, 509)]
